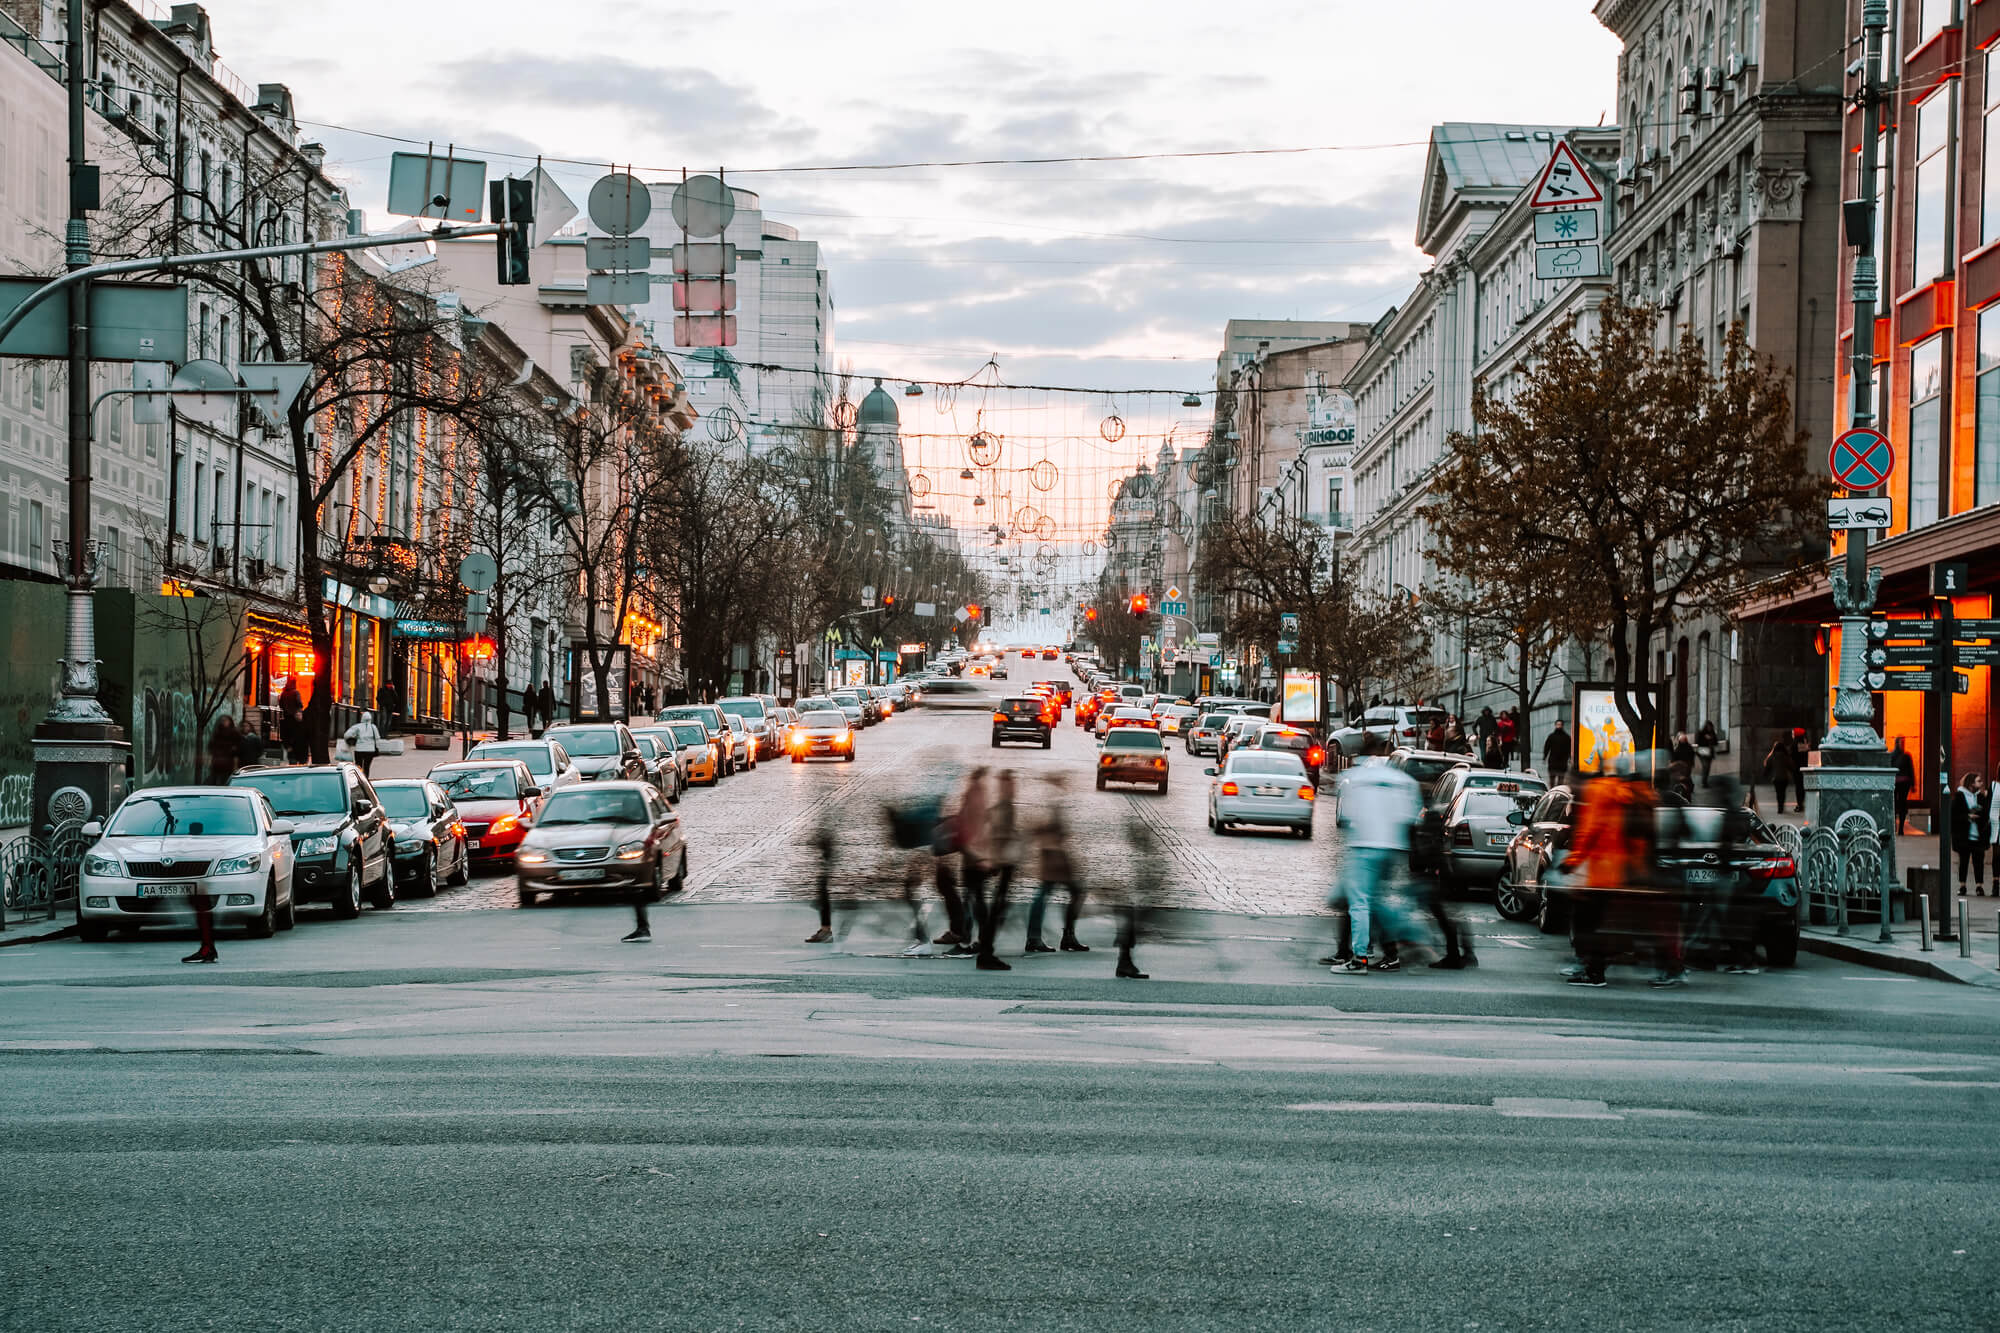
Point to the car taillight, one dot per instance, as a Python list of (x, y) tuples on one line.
[(999, 717), (1306, 793), (1409, 731), (1159, 763), (504, 824), (1103, 759), (1771, 867), (1461, 835), (1230, 789), (1315, 756)]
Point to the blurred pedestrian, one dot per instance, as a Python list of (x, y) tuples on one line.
[(1906, 782), (1455, 739), (1377, 807), (823, 844), (250, 739), (1705, 742), (1969, 829), (1434, 738), (1684, 751), (1611, 857), (1486, 737), (292, 722), (225, 751), (1556, 752), (1055, 866), (1509, 727), (1781, 768), (547, 703), (1135, 910), (1004, 848), (388, 706), (365, 738)]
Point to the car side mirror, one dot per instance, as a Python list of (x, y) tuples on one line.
[(530, 793), (1208, 772), (1516, 818), (281, 828), (94, 829), (363, 806)]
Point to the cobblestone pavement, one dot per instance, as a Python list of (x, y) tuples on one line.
[(751, 838)]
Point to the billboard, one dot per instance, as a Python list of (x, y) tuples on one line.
[(1601, 733), (1301, 698), (583, 702)]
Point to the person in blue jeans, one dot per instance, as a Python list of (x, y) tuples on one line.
[(1378, 806)]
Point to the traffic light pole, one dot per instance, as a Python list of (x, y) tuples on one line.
[(1855, 784)]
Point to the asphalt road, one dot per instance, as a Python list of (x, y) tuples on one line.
[(433, 1118)]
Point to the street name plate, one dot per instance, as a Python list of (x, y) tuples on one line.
[(1977, 654), (1884, 628), (619, 252), (1976, 629), (1902, 680)]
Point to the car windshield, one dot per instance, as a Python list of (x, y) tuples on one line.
[(537, 757), (595, 742), (1130, 715), (399, 802), (1428, 771), (697, 713), (824, 719), (750, 708), (1133, 738), (480, 784), (184, 817), (583, 805), (320, 793), (1424, 717), (690, 733), (1485, 805), (1214, 720), (1266, 761), (648, 746)]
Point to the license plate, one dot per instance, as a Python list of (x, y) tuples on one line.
[(1270, 791), (471, 842), (1497, 840), (1703, 875), (580, 876), (168, 890)]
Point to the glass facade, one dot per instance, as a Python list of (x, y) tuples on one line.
[(1926, 423), (1986, 429), (1930, 223)]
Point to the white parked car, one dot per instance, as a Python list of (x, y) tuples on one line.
[(1394, 723), (165, 846), (1260, 787)]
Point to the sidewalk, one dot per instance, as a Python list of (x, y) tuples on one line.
[(1905, 954)]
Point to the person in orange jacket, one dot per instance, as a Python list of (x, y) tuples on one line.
[(1611, 854)]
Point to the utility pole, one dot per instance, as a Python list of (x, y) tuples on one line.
[(80, 752), (1855, 777)]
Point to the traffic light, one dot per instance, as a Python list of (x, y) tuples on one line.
[(972, 612), (1139, 604), (513, 203), (888, 599), (1090, 614)]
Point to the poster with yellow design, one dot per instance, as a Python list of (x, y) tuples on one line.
[(1601, 733)]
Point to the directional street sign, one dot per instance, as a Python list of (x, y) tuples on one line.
[(1976, 629), (1861, 459), (1849, 514), (1881, 627), (1171, 608), (1903, 655), (1565, 181), (1901, 680), (1976, 654), (1566, 227)]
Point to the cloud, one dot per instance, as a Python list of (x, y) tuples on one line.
[(687, 100)]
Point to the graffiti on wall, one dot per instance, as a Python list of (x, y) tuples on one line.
[(167, 744)]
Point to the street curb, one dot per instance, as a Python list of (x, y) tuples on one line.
[(50, 931), (1962, 970)]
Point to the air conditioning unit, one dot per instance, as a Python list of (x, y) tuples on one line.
[(1711, 78), (1739, 66), (1628, 171), (255, 569), (218, 557)]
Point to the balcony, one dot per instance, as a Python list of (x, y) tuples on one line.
[(1340, 520)]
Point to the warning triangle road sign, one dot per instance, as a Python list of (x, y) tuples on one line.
[(1565, 181)]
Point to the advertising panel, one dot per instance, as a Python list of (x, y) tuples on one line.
[(1601, 733), (583, 682), (1301, 698)]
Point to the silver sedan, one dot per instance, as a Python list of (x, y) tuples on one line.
[(1476, 833), (1260, 787)]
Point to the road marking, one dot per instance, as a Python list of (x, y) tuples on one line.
[(1386, 1106), (1553, 1108)]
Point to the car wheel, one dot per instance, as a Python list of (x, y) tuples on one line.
[(347, 905), (524, 895), (1100, 782), (1781, 943), (462, 872), (265, 925), (288, 911), (1551, 918), (383, 895), (1221, 827), (428, 882), (996, 742), (679, 883), (92, 932), (1306, 831), (1162, 787), (1508, 899), (798, 759), (1047, 738)]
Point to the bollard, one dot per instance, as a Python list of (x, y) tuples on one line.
[(1964, 929), (1924, 922)]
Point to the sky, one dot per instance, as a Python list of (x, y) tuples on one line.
[(1115, 277)]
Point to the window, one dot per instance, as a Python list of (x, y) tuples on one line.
[(223, 351), (112, 556), (1932, 15), (1926, 413), (215, 510), (194, 496), (37, 387), (1989, 205), (36, 534), (278, 535), (1930, 224), (1986, 429)]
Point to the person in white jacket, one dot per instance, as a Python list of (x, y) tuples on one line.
[(1378, 806), (365, 738)]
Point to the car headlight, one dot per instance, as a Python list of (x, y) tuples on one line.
[(238, 865), (319, 844), (632, 851), (412, 843), (94, 864), (531, 858)]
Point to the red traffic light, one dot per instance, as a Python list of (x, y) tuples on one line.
[(480, 649), (1090, 614), (1139, 604)]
